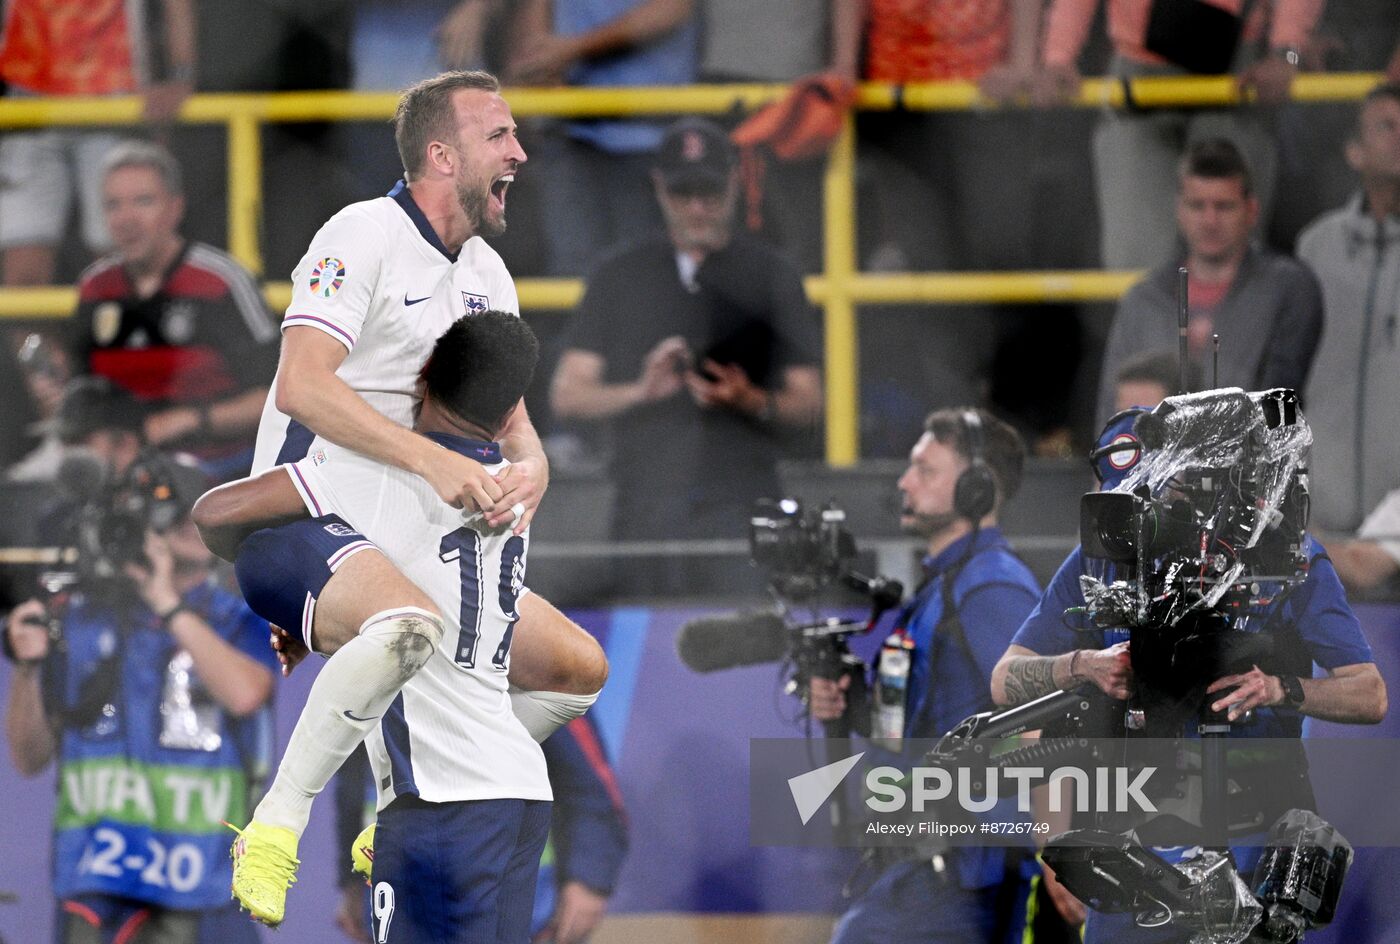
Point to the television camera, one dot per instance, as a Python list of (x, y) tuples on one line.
[(102, 525), (804, 554), (1202, 538)]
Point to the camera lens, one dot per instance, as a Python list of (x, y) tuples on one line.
[(1109, 525)]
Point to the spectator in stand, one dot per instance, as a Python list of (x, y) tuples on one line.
[(782, 42), (1313, 177), (700, 348), (970, 168), (180, 325), (1355, 251), (96, 48), (53, 49), (1266, 308), (597, 169), (1134, 150)]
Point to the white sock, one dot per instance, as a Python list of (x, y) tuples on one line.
[(354, 688), (543, 713)]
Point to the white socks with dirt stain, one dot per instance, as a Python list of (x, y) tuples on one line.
[(354, 688)]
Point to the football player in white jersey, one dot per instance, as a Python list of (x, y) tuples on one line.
[(363, 313), (425, 681), (380, 282)]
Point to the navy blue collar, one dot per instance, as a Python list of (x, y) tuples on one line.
[(487, 453), (950, 555), (404, 198)]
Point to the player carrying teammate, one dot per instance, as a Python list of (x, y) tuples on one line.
[(439, 728), (380, 281)]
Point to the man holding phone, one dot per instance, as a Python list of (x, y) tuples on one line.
[(700, 347)]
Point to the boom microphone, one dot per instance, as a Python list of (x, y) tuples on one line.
[(712, 643)]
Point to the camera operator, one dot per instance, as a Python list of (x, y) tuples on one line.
[(1312, 624), (145, 683), (974, 594)]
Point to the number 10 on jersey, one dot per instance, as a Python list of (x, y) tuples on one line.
[(465, 547)]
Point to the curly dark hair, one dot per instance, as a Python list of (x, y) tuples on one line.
[(481, 366)]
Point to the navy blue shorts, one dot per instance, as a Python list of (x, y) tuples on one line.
[(457, 873), (282, 570)]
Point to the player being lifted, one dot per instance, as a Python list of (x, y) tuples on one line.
[(421, 624)]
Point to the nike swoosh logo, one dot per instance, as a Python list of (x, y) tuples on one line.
[(355, 718), (410, 302)]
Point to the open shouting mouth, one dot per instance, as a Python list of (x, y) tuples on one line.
[(499, 187)]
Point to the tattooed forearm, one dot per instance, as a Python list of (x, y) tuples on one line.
[(1029, 677)]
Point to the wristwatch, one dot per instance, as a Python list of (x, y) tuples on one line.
[(1292, 690)]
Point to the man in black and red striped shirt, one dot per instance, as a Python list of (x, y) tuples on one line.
[(179, 324)]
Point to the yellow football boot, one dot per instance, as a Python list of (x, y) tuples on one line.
[(264, 867)]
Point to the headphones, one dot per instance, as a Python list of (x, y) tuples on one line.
[(975, 494)]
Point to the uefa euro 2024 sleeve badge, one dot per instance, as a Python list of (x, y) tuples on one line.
[(327, 276)]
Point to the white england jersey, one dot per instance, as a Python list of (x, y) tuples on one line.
[(378, 280), (451, 734)]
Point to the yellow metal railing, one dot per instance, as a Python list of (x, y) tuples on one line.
[(840, 287)]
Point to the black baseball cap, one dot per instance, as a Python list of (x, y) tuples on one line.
[(696, 154), (94, 403)]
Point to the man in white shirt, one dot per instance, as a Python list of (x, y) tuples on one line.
[(355, 335)]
